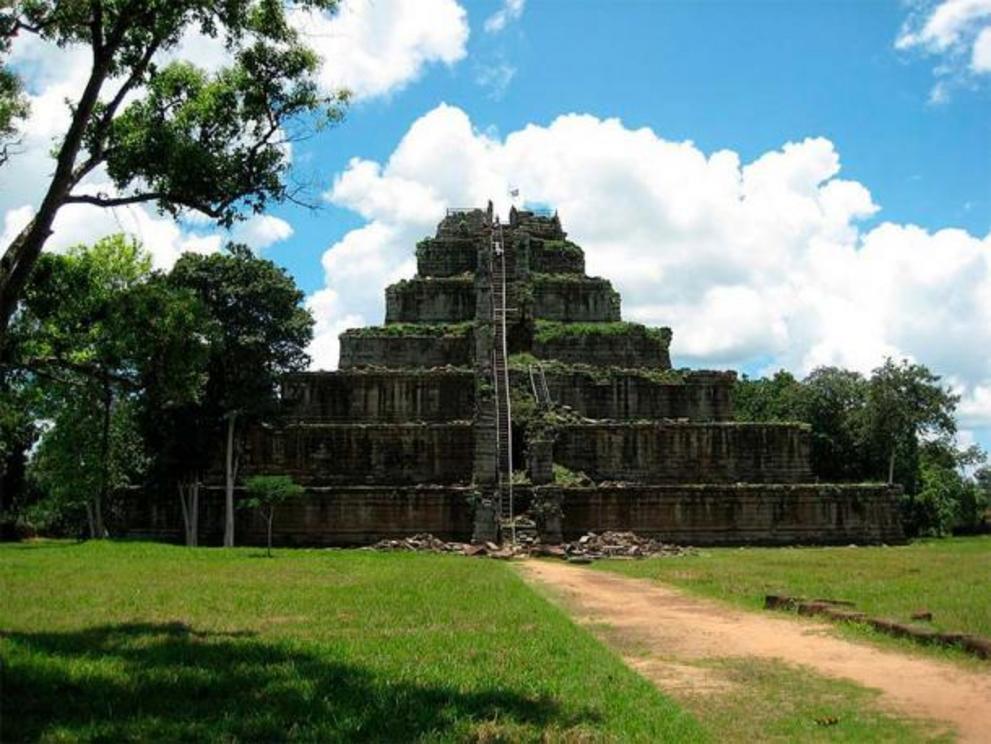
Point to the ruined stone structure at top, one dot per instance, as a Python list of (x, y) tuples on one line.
[(405, 436)]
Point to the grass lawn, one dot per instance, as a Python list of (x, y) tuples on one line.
[(125, 641), (949, 577)]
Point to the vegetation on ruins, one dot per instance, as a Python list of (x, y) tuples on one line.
[(551, 330), (599, 373), (166, 133), (322, 645), (413, 329), (897, 425), (265, 492), (117, 376)]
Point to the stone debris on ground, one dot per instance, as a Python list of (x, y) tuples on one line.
[(587, 548)]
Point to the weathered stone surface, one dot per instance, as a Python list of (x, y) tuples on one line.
[(338, 515), (446, 256), (555, 257), (378, 395), (574, 299), (421, 349), (324, 454), (668, 452), (737, 514), (619, 395), (605, 344), (419, 300)]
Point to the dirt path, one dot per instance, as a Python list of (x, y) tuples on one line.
[(671, 626)]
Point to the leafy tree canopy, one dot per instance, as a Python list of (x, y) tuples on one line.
[(167, 133)]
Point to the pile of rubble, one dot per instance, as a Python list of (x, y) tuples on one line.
[(621, 545), (584, 550)]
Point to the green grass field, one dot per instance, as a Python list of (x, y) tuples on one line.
[(126, 641), (951, 578)]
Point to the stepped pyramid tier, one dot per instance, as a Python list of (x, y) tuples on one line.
[(505, 391)]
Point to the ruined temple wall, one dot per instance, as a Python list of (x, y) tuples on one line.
[(450, 300), (575, 300), (441, 257), (405, 351), (628, 396), (339, 516), (555, 257), (635, 346), (324, 454), (686, 452), (373, 396), (738, 514)]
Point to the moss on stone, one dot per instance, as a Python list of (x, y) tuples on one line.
[(436, 330)]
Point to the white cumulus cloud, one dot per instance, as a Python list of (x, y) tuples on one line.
[(958, 33), (376, 47), (765, 262)]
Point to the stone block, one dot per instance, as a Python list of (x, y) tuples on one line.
[(439, 257), (414, 347), (375, 395), (603, 344), (574, 299), (672, 452), (445, 300)]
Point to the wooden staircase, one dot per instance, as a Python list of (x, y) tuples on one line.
[(503, 281)]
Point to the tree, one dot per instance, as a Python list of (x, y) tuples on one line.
[(263, 330), (173, 367), (74, 466), (905, 401), (167, 134), (769, 399), (78, 330), (833, 403), (265, 492)]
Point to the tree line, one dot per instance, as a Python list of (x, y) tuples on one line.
[(896, 425), (118, 376)]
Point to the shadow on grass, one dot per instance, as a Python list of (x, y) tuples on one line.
[(171, 682)]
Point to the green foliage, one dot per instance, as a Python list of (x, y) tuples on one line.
[(262, 325), (168, 133), (569, 478), (413, 329), (325, 646), (550, 330), (875, 429), (266, 491)]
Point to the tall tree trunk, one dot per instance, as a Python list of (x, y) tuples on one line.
[(194, 520), (271, 513), (891, 467), (229, 492), (189, 498), (20, 256), (101, 497), (89, 520)]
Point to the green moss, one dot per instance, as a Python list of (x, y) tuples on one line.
[(569, 478), (563, 246), (412, 329), (523, 362), (549, 330)]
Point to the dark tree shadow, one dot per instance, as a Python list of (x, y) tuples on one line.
[(171, 682)]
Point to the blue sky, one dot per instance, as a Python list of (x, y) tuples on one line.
[(745, 76), (786, 184)]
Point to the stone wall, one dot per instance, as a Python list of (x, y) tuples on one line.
[(446, 256), (414, 349), (686, 452), (325, 454), (446, 300), (556, 257), (339, 515), (616, 345), (738, 514), (624, 395), (377, 395), (574, 299)]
